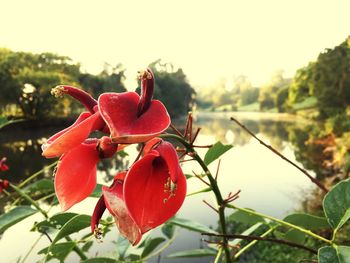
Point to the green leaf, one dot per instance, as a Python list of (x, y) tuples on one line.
[(193, 253), (122, 246), (294, 235), (204, 190), (54, 223), (336, 254), (245, 217), (188, 176), (100, 260), (246, 232), (59, 251), (14, 216), (168, 230), (74, 225), (151, 245), (191, 225), (307, 221), (97, 192), (87, 246), (336, 205), (43, 185), (215, 152)]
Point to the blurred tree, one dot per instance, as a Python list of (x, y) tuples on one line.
[(172, 88), (281, 100), (268, 92), (109, 80), (328, 79), (42, 72)]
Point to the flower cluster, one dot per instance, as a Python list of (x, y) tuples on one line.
[(3, 167), (154, 187)]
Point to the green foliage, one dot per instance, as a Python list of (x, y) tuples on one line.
[(335, 254), (172, 88), (336, 205), (151, 245), (59, 250), (269, 92), (215, 152), (27, 79), (307, 221), (327, 79), (204, 252), (281, 99), (75, 224), (190, 225), (14, 216)]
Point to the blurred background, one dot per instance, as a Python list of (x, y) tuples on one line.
[(280, 67)]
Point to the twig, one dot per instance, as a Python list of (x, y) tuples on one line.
[(274, 240), (212, 207), (195, 135), (175, 129), (200, 178), (315, 181), (217, 170)]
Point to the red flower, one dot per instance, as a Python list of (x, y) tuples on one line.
[(132, 118), (3, 166), (146, 196), (3, 185), (75, 177)]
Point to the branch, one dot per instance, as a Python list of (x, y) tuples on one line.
[(314, 180), (274, 240)]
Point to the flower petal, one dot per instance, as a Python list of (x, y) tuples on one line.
[(168, 153), (75, 178), (149, 194), (114, 201), (72, 136), (120, 110)]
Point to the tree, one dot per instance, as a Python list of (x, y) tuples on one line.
[(172, 88)]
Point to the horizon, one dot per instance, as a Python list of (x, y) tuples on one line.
[(209, 42)]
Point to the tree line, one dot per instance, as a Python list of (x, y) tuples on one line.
[(26, 80), (323, 85)]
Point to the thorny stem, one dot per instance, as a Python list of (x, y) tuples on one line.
[(260, 238), (314, 180), (214, 186), (307, 232)]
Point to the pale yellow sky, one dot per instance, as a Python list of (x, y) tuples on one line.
[(208, 39)]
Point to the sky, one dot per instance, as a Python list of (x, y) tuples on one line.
[(209, 40)]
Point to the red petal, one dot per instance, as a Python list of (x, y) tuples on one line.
[(168, 153), (97, 214), (150, 144), (147, 192), (72, 136), (75, 178), (114, 201), (119, 110)]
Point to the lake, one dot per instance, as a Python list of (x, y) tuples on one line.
[(268, 184)]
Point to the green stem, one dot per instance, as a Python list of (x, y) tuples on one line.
[(36, 174), (29, 199), (307, 232), (218, 256), (31, 249), (77, 249), (241, 251), (213, 184)]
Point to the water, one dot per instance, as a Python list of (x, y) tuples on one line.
[(267, 183)]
